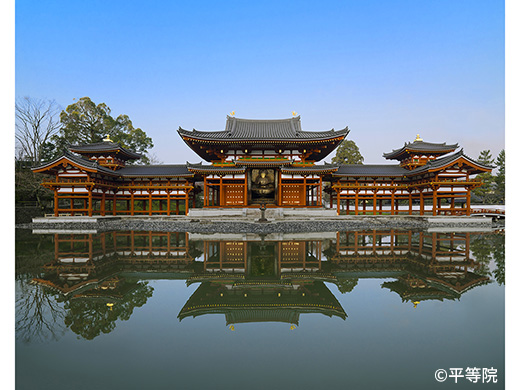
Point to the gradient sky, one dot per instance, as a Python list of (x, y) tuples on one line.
[(387, 69)]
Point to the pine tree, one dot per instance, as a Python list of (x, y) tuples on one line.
[(347, 153)]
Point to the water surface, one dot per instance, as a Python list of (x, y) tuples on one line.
[(367, 309)]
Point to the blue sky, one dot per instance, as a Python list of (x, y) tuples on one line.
[(387, 69)]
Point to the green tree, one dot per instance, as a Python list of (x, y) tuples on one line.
[(347, 153), (500, 178), (486, 191), (86, 122)]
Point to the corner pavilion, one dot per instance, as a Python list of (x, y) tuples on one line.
[(262, 162)]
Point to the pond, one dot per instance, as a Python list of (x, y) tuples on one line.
[(162, 310)]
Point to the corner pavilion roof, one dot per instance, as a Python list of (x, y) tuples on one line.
[(105, 147), (446, 160), (419, 147)]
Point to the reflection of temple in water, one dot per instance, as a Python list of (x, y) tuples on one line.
[(268, 278), (426, 266)]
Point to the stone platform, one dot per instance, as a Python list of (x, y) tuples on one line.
[(246, 221)]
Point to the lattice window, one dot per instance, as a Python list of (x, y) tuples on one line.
[(293, 195), (234, 194)]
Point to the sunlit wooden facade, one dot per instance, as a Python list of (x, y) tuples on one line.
[(262, 162), (430, 178), (254, 162)]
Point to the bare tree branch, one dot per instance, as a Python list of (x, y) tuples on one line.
[(36, 121)]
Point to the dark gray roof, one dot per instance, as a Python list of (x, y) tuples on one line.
[(263, 129), (169, 170), (105, 146), (371, 170), (310, 169), (446, 160), (215, 169), (420, 146), (83, 162)]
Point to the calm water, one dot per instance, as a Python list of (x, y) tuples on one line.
[(356, 310)]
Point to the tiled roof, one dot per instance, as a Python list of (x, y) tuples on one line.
[(371, 170), (309, 169), (263, 129), (169, 170), (104, 146), (83, 162), (420, 147), (214, 169), (446, 160)]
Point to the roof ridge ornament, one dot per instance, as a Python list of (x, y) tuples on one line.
[(418, 139), (107, 139), (294, 113)]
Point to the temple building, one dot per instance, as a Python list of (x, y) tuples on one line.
[(270, 163)]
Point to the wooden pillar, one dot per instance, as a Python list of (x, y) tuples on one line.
[(176, 206), (468, 201), (410, 203), (452, 205), (221, 194), (374, 202), (55, 202), (132, 203), (320, 194), (338, 201), (149, 202), (397, 206), (392, 205), (186, 204), (421, 202), (206, 192), (356, 203), (103, 204), (434, 202), (305, 190), (168, 200), (71, 206), (90, 202), (245, 190), (114, 204)]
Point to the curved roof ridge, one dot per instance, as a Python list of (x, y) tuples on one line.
[(421, 146), (104, 146), (294, 118)]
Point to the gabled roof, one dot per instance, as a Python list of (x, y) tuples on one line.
[(447, 160), (75, 160), (105, 147), (419, 147), (177, 170), (371, 170), (238, 129)]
